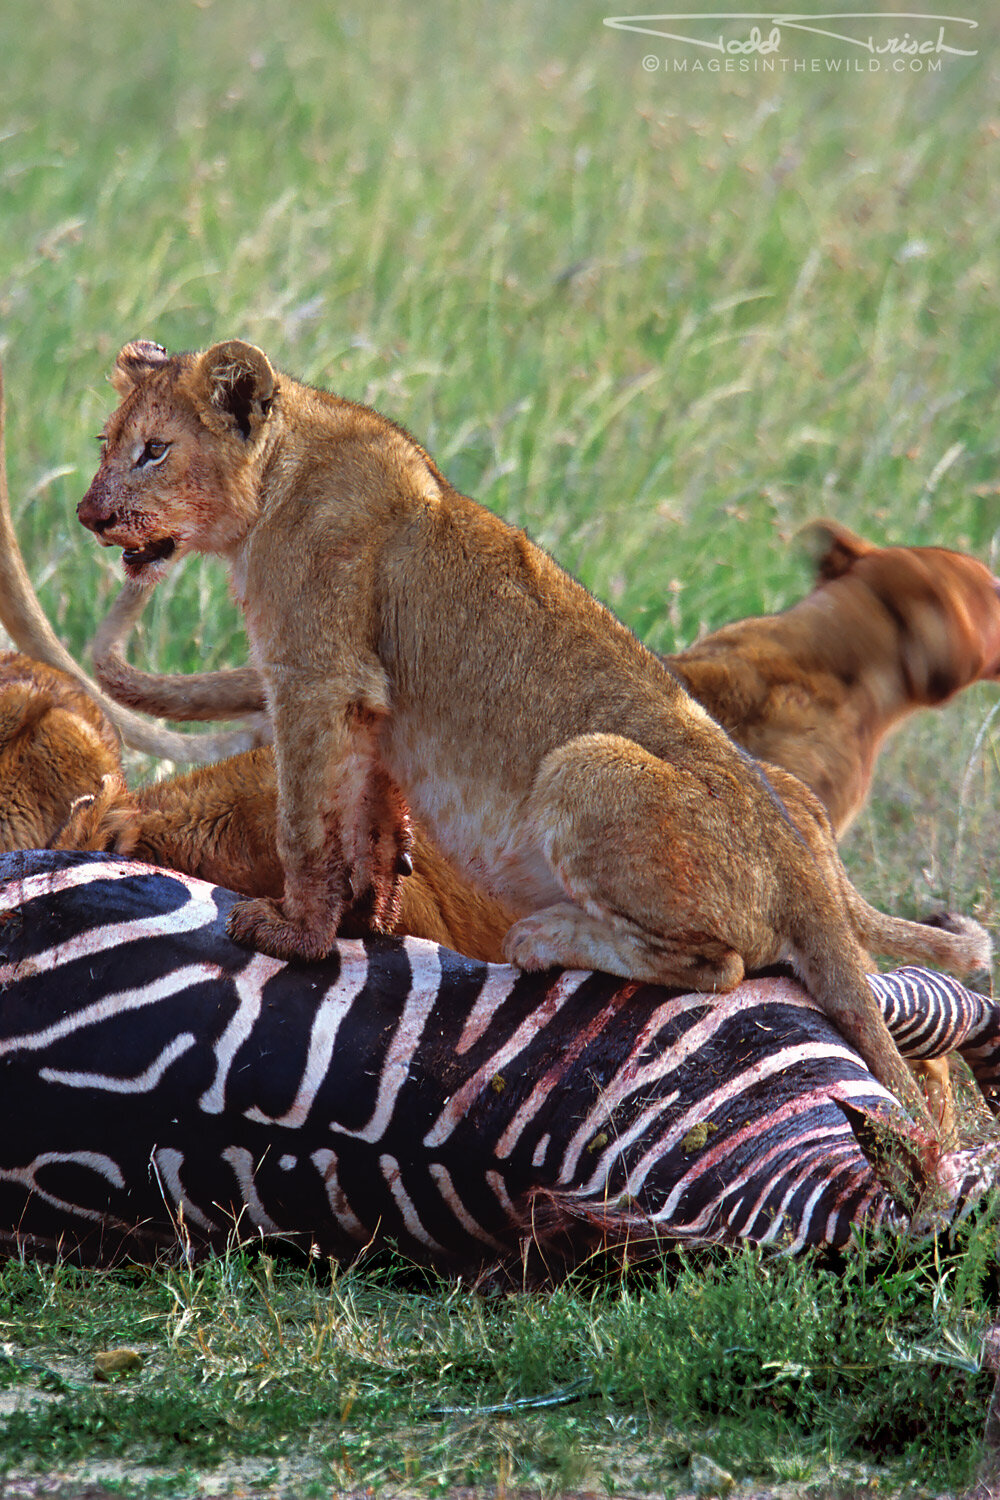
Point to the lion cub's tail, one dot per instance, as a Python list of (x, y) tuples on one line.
[(946, 941)]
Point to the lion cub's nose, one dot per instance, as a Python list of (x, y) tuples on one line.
[(95, 514)]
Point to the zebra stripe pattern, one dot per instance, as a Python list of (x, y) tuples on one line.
[(164, 1089)]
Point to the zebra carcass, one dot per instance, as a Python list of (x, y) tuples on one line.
[(163, 1090)]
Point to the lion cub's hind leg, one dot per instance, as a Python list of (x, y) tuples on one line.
[(566, 936), (647, 890)]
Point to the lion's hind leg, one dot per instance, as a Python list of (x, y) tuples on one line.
[(565, 935), (628, 839)]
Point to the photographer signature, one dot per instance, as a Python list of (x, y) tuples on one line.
[(757, 43)]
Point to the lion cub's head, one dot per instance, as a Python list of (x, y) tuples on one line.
[(180, 453), (61, 780), (944, 607)]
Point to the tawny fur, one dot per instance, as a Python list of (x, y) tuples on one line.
[(818, 688), (219, 822), (61, 786), (806, 685), (397, 624), (885, 632), (60, 766), (23, 618), (888, 630)]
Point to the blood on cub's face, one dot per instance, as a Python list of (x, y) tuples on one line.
[(175, 463)]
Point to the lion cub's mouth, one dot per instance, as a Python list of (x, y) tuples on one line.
[(137, 558)]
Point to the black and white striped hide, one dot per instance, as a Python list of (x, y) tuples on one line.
[(162, 1089)]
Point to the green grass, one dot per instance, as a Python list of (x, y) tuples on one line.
[(768, 1367), (661, 321)]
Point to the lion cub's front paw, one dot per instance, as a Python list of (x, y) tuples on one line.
[(260, 923)]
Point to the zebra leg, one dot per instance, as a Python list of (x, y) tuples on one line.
[(931, 1014)]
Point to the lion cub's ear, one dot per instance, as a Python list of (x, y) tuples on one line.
[(232, 386), (135, 362), (833, 549)]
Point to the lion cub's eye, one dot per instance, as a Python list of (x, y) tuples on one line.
[(153, 453)]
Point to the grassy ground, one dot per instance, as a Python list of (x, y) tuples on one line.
[(661, 320), (843, 1379)]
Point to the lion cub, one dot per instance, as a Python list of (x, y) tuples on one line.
[(398, 624), (60, 764)]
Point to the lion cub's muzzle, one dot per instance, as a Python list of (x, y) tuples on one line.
[(112, 529)]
